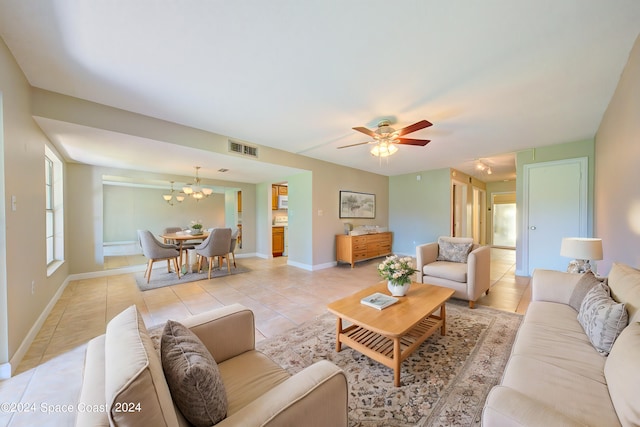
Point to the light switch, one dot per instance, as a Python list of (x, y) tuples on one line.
[(14, 205)]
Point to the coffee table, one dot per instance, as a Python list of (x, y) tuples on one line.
[(390, 335)]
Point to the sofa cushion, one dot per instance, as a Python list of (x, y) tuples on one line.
[(192, 375), (602, 318), (550, 333), (584, 285), (623, 376), (248, 376), (624, 282), (136, 391), (454, 271), (454, 249)]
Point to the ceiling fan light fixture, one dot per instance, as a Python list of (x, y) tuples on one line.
[(384, 149)]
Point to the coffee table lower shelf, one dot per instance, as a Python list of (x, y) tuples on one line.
[(390, 351)]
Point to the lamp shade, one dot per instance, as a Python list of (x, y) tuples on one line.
[(581, 248)]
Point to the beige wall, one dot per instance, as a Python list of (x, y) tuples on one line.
[(23, 247), (617, 193)]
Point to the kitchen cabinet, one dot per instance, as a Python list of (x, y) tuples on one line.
[(352, 249), (278, 190), (277, 243)]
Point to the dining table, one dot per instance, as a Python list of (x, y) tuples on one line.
[(179, 237)]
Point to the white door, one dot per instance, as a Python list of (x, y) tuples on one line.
[(555, 206)]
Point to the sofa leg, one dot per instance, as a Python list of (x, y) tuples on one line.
[(472, 304)]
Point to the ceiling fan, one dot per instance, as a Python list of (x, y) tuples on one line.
[(386, 137)]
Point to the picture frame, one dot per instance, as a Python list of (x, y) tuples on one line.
[(357, 205)]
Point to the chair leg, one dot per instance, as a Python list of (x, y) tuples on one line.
[(228, 263), (234, 260), (472, 304), (175, 261), (168, 267), (149, 268), (210, 264)]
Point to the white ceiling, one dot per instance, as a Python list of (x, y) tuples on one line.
[(494, 77)]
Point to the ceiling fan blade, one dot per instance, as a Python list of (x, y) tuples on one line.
[(366, 131), (410, 141), (353, 145), (414, 127)]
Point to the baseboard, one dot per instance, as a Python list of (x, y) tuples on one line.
[(309, 267), (33, 332)]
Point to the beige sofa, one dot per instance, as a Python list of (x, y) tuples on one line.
[(555, 376), (470, 279), (124, 383)]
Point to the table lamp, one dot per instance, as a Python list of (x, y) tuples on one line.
[(582, 250)]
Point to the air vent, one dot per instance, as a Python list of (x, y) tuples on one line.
[(235, 147), (246, 150), (251, 151)]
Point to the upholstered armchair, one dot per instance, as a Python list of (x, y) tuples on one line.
[(155, 250), (455, 263), (217, 245), (157, 378)]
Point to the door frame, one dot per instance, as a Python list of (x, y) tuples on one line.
[(583, 162)]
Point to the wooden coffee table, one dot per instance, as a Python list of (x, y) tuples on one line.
[(390, 335)]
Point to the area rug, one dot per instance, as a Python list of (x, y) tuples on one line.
[(160, 278), (443, 383)]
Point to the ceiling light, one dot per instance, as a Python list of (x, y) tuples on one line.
[(168, 197), (482, 167), (196, 190), (384, 149)]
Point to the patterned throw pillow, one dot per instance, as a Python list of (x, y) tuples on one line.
[(584, 285), (453, 251), (602, 318), (193, 376)]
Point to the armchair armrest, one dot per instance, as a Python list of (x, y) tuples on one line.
[(316, 396), (553, 286), (425, 254), (478, 272), (226, 332)]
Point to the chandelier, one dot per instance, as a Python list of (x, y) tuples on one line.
[(169, 197), (195, 190)]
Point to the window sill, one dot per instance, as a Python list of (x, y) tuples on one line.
[(55, 265)]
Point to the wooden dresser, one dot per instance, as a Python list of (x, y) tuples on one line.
[(352, 249)]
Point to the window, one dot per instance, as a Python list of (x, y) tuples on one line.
[(54, 218)]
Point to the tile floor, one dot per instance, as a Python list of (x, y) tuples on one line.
[(281, 296)]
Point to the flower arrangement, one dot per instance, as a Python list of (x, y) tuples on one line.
[(196, 225), (397, 270)]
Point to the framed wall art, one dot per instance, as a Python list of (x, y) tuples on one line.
[(357, 205)]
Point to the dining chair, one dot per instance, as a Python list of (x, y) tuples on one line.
[(155, 250), (216, 245), (232, 250), (186, 246)]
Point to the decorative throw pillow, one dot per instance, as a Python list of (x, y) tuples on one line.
[(193, 376), (584, 285), (449, 250), (602, 318)]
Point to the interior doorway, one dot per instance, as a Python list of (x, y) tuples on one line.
[(503, 208)]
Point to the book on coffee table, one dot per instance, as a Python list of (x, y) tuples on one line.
[(378, 300)]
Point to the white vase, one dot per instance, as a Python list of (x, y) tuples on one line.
[(398, 290)]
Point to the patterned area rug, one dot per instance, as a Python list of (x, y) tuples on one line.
[(160, 278), (443, 383)]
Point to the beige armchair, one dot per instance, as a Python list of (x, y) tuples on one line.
[(469, 280), (122, 366)]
